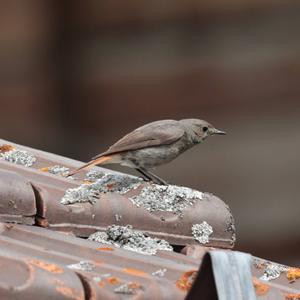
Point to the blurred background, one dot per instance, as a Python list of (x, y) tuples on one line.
[(75, 76)]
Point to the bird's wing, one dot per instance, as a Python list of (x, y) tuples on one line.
[(152, 134)]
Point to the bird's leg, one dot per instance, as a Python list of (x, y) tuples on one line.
[(149, 175), (146, 177), (157, 179)]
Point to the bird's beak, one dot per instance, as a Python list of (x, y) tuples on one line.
[(217, 131)]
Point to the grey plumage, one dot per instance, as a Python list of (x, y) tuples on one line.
[(155, 144)]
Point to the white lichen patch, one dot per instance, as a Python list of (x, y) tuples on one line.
[(59, 170), (272, 270), (94, 175), (201, 232), (124, 289), (101, 237), (83, 193), (82, 266), (166, 198), (127, 238), (107, 183), (118, 217), (116, 183), (101, 277), (160, 273), (97, 279), (20, 157)]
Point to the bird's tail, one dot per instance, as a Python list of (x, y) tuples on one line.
[(91, 163)]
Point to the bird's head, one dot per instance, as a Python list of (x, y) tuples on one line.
[(200, 129)]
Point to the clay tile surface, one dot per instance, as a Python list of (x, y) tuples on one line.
[(17, 199), (41, 263), (52, 265), (90, 203), (147, 242)]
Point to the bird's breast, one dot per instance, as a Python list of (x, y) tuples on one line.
[(151, 157)]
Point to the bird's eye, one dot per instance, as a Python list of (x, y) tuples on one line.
[(204, 129)]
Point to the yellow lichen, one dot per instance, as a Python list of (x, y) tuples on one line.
[(293, 274), (260, 288)]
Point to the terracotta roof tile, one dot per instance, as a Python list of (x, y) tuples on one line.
[(42, 263)]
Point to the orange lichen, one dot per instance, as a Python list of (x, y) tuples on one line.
[(260, 288), (260, 266), (87, 182), (68, 292), (45, 169), (134, 272), (42, 222), (113, 280), (5, 148), (105, 249), (292, 296), (293, 274), (185, 282), (53, 268), (101, 284), (134, 285)]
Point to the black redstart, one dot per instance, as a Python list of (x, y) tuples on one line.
[(154, 144)]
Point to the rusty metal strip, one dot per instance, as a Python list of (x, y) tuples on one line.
[(268, 279)]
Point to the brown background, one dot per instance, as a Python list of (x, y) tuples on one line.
[(77, 75)]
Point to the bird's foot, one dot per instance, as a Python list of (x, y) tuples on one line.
[(149, 176), (160, 181)]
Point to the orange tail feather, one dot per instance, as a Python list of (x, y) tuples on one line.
[(91, 163)]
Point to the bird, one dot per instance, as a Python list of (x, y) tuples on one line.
[(154, 144)]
